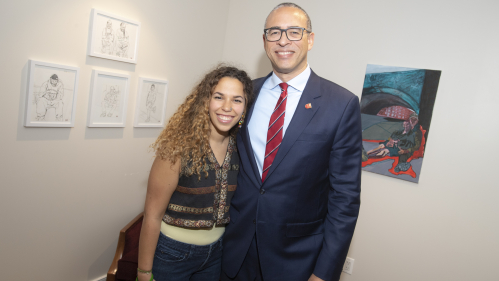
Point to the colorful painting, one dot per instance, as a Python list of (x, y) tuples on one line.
[(396, 108)]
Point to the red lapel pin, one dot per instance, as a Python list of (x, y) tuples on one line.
[(308, 106)]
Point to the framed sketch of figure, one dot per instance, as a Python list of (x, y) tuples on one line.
[(113, 37), (108, 99), (51, 99), (151, 103)]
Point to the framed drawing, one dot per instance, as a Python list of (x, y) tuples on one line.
[(396, 109), (108, 99), (113, 37), (51, 97), (151, 103)]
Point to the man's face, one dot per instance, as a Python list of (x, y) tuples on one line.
[(288, 57), (407, 125), (109, 24), (53, 81), (152, 87), (122, 27)]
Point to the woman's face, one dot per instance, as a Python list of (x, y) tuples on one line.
[(227, 104)]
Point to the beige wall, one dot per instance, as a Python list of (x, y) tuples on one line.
[(65, 193), (445, 227)]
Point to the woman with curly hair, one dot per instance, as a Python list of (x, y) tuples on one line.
[(192, 181)]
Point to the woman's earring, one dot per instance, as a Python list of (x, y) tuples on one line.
[(241, 121)]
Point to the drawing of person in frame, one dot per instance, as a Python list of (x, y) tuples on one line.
[(108, 38), (122, 41), (151, 102), (110, 102), (50, 96)]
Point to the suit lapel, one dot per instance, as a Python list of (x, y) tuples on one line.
[(245, 132), (302, 116)]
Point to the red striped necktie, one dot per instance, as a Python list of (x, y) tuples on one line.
[(274, 132)]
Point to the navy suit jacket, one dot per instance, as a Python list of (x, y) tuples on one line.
[(304, 213)]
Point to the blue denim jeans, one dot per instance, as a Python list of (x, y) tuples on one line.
[(177, 261)]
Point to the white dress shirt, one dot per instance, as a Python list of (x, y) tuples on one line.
[(264, 106)]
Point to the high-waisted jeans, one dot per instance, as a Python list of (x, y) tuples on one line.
[(177, 261)]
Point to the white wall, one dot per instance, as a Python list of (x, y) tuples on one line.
[(66, 192), (445, 227)]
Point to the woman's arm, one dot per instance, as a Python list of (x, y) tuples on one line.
[(163, 180)]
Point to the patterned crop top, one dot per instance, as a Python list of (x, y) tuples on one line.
[(201, 203)]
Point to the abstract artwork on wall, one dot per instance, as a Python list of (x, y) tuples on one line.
[(396, 108)]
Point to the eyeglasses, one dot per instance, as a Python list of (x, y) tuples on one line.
[(293, 33)]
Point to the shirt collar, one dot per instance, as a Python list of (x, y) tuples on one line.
[(298, 83)]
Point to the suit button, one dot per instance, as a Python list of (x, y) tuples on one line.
[(262, 191), (254, 221)]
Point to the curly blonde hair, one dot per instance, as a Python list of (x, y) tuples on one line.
[(186, 136)]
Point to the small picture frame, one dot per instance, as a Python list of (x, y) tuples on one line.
[(51, 96), (150, 109), (108, 99), (113, 37)]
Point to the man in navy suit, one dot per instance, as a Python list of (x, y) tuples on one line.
[(298, 194)]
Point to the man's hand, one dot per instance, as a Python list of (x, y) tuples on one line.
[(383, 153), (314, 278), (403, 151)]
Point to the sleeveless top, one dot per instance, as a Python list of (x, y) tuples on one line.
[(198, 203)]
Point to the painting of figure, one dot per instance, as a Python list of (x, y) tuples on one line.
[(396, 108)]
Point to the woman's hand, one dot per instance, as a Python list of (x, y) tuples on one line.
[(143, 277)]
